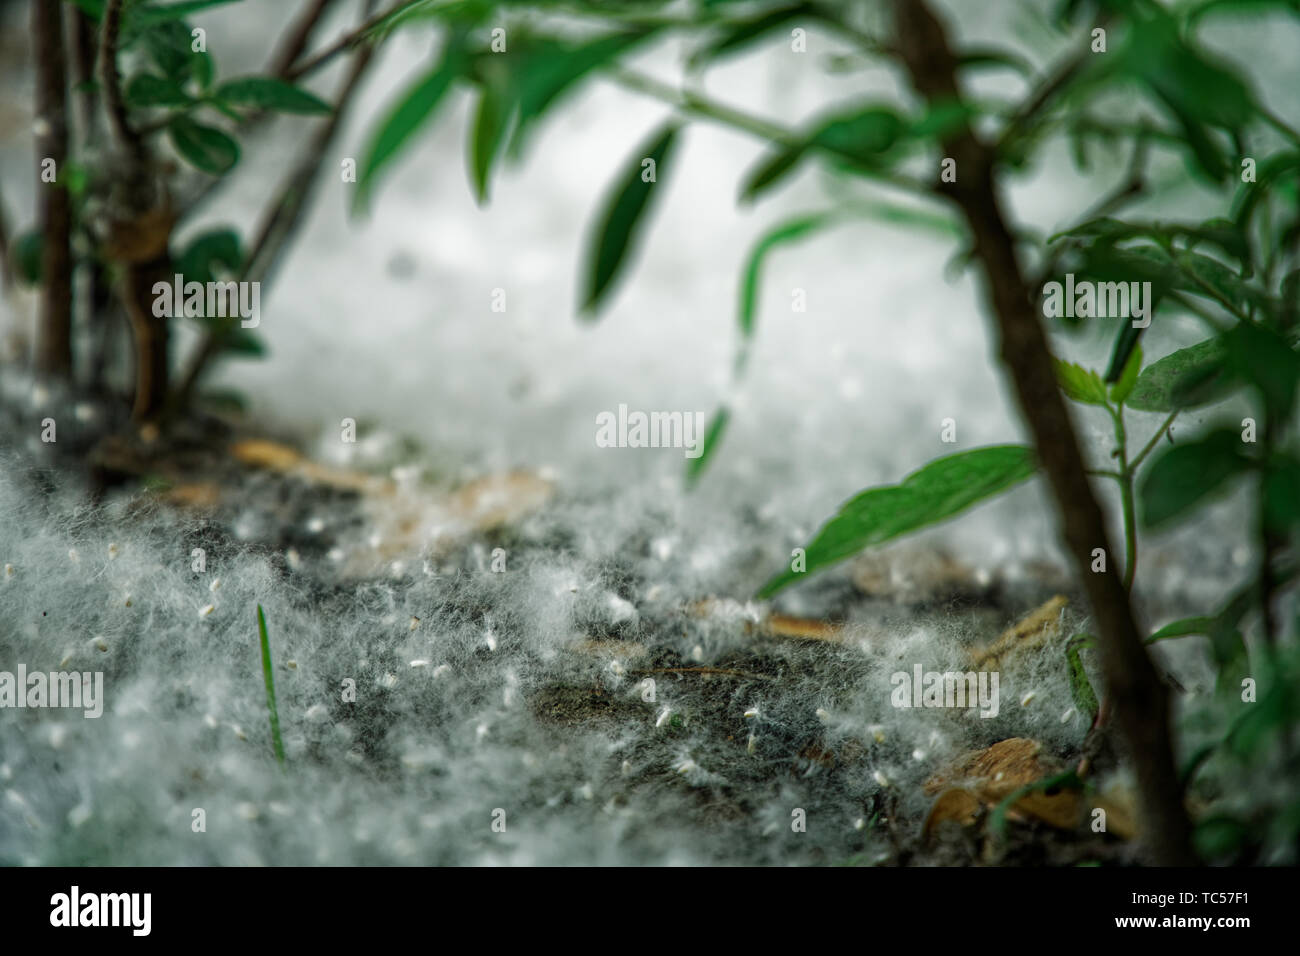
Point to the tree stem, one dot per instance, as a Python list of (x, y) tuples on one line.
[(54, 334), (1139, 699)]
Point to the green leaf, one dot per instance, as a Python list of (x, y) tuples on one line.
[(202, 146), (712, 439), (243, 343), (1187, 627), (402, 121), (141, 17), (1264, 358), (1184, 78), (625, 207), (1126, 343), (992, 58), (1120, 391), (546, 71), (1085, 699), (787, 232), (168, 47), (25, 254), (1267, 171), (269, 93), (775, 167), (1185, 475), (738, 36), (1080, 384), (147, 90), (1166, 385), (212, 254), (1223, 233), (862, 137), (1282, 493), (203, 69), (268, 677), (943, 488), (1196, 271), (487, 135)]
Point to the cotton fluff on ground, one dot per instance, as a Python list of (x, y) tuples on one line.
[(484, 703)]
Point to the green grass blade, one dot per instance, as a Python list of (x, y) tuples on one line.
[(270, 686)]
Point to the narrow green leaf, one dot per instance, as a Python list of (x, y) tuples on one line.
[(739, 36), (943, 488), (487, 136), (401, 123), (625, 207), (1126, 343), (712, 439), (770, 171), (783, 234), (1185, 475), (269, 93), (1085, 699), (543, 74), (269, 678), (202, 146), (1187, 627)]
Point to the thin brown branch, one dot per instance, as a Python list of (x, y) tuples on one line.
[(719, 671), (1043, 95), (298, 37), (1139, 699), (283, 217), (6, 267), (54, 334), (110, 81), (82, 44), (342, 44)]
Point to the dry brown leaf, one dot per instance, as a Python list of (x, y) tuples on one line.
[(199, 496), (1030, 632), (275, 456), (955, 803), (802, 628), (997, 770)]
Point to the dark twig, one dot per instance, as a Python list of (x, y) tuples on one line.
[(82, 42), (342, 44), (54, 334), (111, 82), (1137, 696), (283, 217), (298, 37)]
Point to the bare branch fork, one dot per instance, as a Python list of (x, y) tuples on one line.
[(1139, 699)]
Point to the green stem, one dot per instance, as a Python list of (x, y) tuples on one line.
[(697, 105), (1126, 498), (1130, 530), (1146, 450)]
